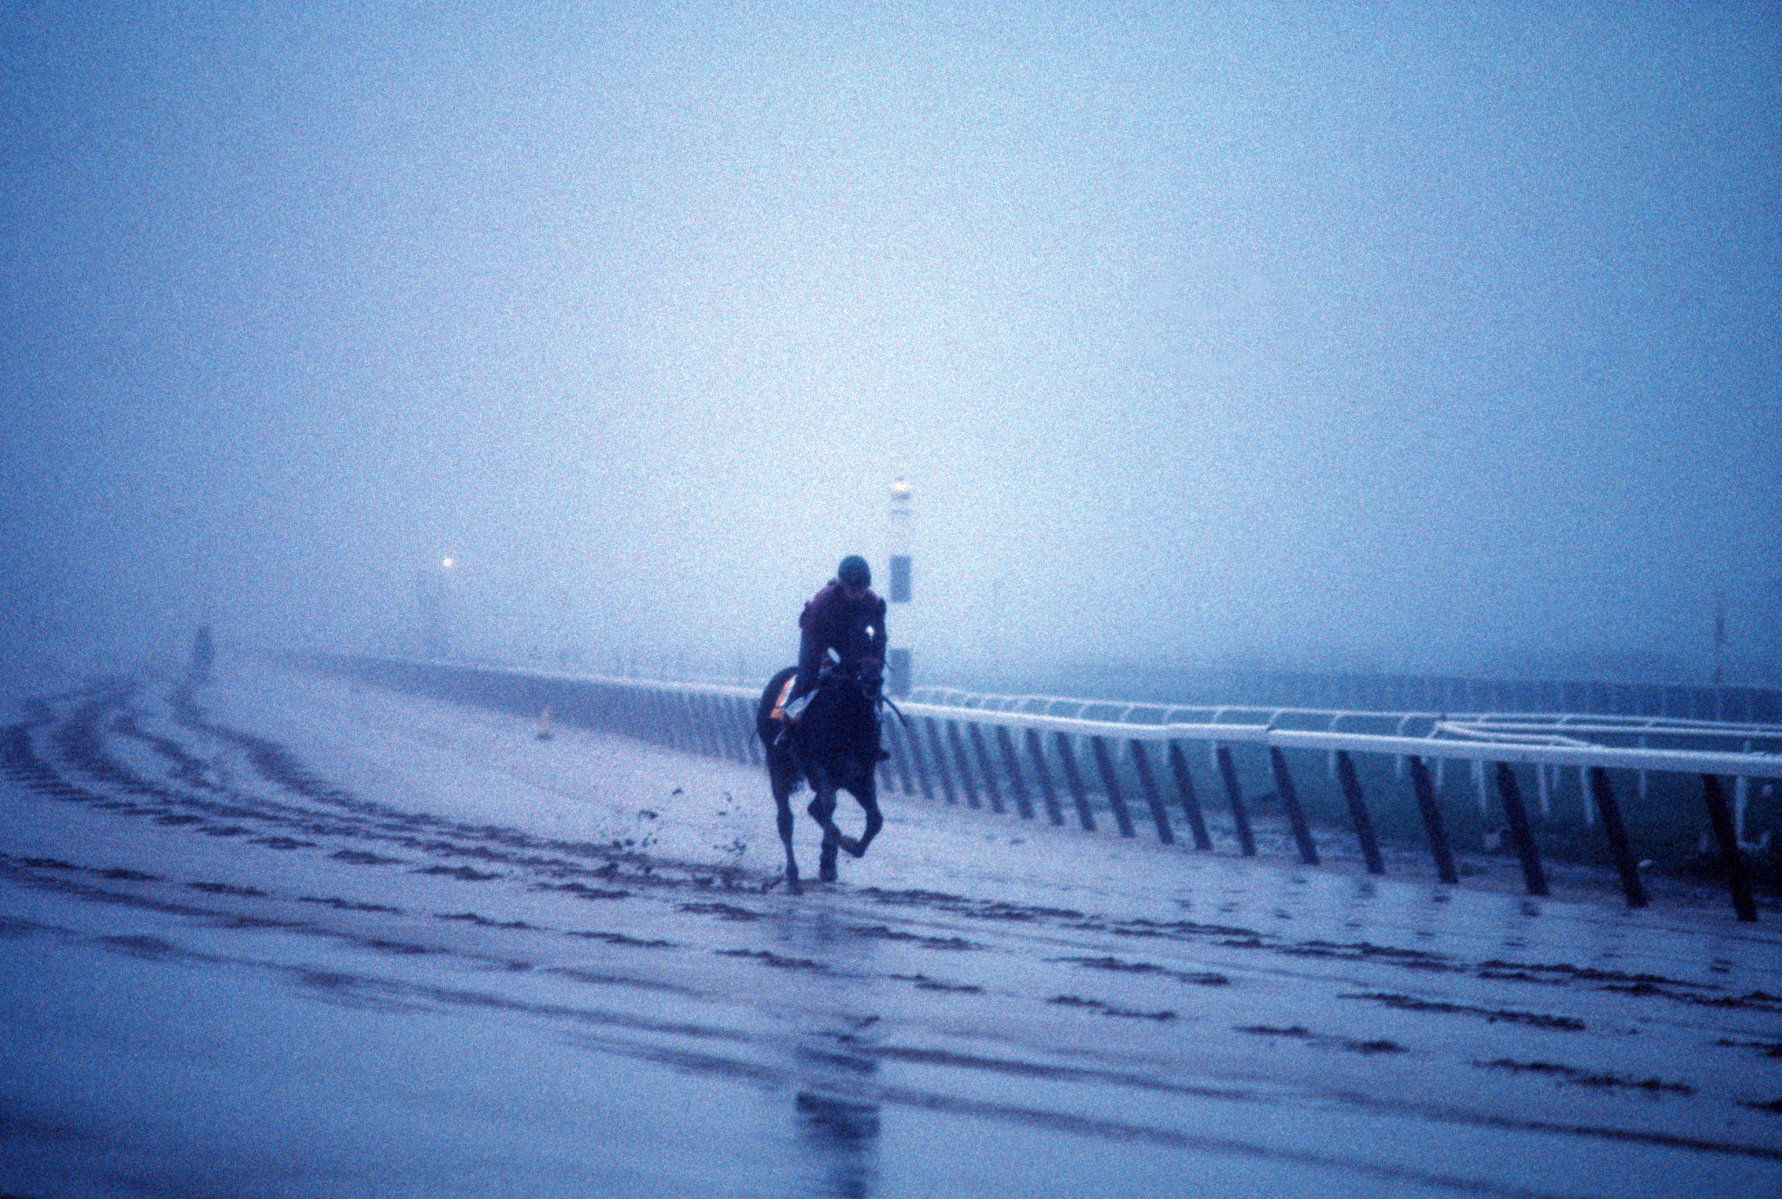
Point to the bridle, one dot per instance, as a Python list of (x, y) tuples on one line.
[(871, 684)]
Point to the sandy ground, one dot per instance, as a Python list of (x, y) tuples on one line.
[(293, 937)]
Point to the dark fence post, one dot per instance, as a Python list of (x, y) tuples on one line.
[(1532, 875), (940, 759), (1302, 835), (686, 732), (729, 743), (716, 730), (745, 716), (609, 708), (723, 717), (709, 744), (1364, 825), (1432, 822), (615, 709), (639, 711), (1149, 785), (745, 711), (896, 766), (900, 758), (1074, 781), (654, 714), (704, 734), (687, 738), (1017, 785), (1178, 764), (1115, 799), (964, 764), (695, 728), (735, 732), (1036, 754), (1234, 793), (662, 730), (1727, 837), (986, 768), (703, 728), (912, 743), (1604, 794)]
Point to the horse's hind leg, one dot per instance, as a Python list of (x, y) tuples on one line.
[(783, 781), (786, 825)]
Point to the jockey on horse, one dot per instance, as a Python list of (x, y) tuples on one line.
[(846, 617), (819, 721)]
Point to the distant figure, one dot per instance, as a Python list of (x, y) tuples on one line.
[(204, 655), (845, 618)]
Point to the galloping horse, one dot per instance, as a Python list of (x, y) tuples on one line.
[(833, 745)]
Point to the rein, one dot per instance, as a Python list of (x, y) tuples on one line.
[(898, 712)]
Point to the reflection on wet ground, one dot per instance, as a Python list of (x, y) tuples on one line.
[(183, 901), (838, 1130)]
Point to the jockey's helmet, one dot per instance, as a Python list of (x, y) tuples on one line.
[(854, 572)]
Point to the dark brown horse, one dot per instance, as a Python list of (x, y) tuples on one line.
[(833, 746)]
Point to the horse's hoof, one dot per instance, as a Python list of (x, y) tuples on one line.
[(827, 874), (854, 846), (794, 886)]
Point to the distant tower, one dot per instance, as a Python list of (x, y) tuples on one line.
[(898, 535)]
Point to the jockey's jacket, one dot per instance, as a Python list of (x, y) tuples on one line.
[(852, 623)]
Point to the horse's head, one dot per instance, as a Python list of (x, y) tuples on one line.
[(872, 679), (862, 681)]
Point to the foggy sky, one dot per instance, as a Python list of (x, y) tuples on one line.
[(1399, 335)]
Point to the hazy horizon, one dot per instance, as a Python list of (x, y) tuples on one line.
[(1393, 336)]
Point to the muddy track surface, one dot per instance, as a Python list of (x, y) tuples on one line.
[(1265, 1035)]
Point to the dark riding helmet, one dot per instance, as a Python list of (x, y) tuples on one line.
[(854, 572)]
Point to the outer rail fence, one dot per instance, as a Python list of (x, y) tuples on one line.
[(1003, 752), (1333, 690)]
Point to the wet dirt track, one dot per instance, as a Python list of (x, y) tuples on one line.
[(286, 937)]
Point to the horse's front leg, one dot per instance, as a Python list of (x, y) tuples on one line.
[(867, 792), (826, 859), (822, 810)]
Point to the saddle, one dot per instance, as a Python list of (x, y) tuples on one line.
[(779, 712), (788, 712)]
